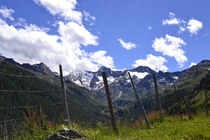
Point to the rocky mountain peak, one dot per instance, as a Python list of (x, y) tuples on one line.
[(143, 69), (2, 58), (205, 61), (104, 69), (41, 67), (9, 60)]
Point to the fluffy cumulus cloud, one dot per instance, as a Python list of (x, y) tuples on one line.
[(127, 45), (194, 26), (33, 44), (64, 8), (74, 33), (171, 46), (6, 13), (172, 20), (156, 63), (100, 57)]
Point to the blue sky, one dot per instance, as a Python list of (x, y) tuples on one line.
[(121, 34)]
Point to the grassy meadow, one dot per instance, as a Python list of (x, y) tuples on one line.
[(170, 128)]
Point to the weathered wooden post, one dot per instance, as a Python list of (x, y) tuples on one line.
[(67, 118), (157, 96), (114, 126), (140, 102), (206, 102)]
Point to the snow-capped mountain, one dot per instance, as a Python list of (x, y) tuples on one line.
[(82, 78), (119, 82), (94, 80)]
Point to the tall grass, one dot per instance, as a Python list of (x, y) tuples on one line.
[(169, 128)]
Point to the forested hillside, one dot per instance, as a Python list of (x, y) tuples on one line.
[(21, 89)]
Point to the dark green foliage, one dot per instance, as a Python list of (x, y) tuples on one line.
[(190, 86), (83, 108)]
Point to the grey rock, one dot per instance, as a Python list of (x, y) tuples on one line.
[(66, 134)]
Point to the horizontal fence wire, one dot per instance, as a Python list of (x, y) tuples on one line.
[(31, 106), (16, 91), (24, 76), (12, 120)]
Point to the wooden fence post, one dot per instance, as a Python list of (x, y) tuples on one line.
[(114, 126), (67, 118), (206, 102), (140, 102), (157, 96)]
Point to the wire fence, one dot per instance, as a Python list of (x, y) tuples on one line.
[(22, 104), (19, 104), (12, 91), (22, 76)]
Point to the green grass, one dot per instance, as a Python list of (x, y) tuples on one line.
[(171, 128)]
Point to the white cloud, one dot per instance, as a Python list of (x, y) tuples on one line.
[(172, 20), (29, 43), (63, 8), (33, 44), (21, 22), (171, 14), (181, 29), (6, 13), (154, 62), (72, 32), (88, 16), (100, 57), (149, 27), (33, 27), (192, 64), (126, 45), (194, 26), (171, 46)]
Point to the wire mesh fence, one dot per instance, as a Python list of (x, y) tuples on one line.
[(19, 106)]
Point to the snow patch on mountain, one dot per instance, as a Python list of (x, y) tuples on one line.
[(100, 80), (82, 78), (176, 77), (120, 94), (140, 75), (110, 79)]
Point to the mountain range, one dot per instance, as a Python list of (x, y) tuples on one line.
[(87, 89), (120, 85)]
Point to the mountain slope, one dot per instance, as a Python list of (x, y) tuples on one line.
[(13, 94), (122, 93), (86, 93)]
